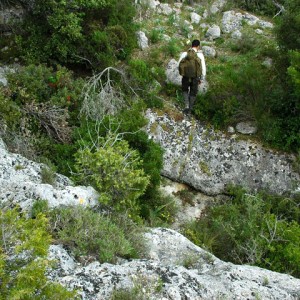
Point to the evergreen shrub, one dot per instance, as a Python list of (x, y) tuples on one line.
[(260, 229), (55, 31), (115, 170), (88, 233)]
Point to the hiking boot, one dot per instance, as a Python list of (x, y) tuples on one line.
[(186, 111)]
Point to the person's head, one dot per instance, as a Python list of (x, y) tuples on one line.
[(196, 43)]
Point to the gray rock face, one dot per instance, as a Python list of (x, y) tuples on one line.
[(21, 183), (175, 269), (209, 161), (142, 40), (246, 128), (213, 32), (209, 51), (195, 18), (9, 16), (165, 9)]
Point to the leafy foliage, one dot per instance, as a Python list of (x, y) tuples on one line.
[(57, 30), (264, 7), (23, 247), (88, 233), (115, 171), (260, 229)]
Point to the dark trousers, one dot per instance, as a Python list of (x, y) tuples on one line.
[(190, 85)]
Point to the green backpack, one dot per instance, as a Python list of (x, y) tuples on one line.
[(190, 65)]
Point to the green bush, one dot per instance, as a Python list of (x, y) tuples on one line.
[(141, 74), (88, 233), (262, 7), (39, 207), (10, 113), (55, 32), (115, 171), (24, 276), (172, 48), (259, 229)]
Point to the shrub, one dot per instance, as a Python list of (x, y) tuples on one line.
[(140, 73), (88, 233), (259, 229), (48, 172), (263, 7), (39, 207), (172, 48), (115, 171), (10, 113), (56, 30), (23, 277)]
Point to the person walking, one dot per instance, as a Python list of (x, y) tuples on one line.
[(192, 68)]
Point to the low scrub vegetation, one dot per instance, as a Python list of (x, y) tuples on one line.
[(24, 245), (78, 100), (256, 229)]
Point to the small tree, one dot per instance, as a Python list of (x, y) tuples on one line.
[(114, 170)]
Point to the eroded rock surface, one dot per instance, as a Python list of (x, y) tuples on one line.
[(174, 269), (21, 183), (209, 160)]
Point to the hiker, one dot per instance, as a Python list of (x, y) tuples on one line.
[(192, 68)]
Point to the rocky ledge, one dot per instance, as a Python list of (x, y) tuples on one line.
[(174, 269), (209, 160)]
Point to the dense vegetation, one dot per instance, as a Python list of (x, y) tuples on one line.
[(256, 229), (77, 104)]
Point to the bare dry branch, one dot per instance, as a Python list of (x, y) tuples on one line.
[(53, 119), (102, 96)]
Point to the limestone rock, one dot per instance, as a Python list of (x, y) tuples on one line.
[(246, 128), (172, 73), (181, 270), (142, 40), (213, 32), (165, 9), (21, 183), (195, 18), (236, 34), (209, 51), (208, 160)]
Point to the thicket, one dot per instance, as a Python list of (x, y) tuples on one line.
[(89, 34), (256, 229), (262, 7), (89, 234)]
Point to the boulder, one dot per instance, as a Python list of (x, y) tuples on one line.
[(246, 127), (209, 51), (142, 40), (213, 32), (165, 9), (195, 18)]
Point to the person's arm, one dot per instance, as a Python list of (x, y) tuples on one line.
[(183, 54), (203, 65)]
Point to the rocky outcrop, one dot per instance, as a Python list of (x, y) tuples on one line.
[(209, 160), (21, 183), (173, 269)]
